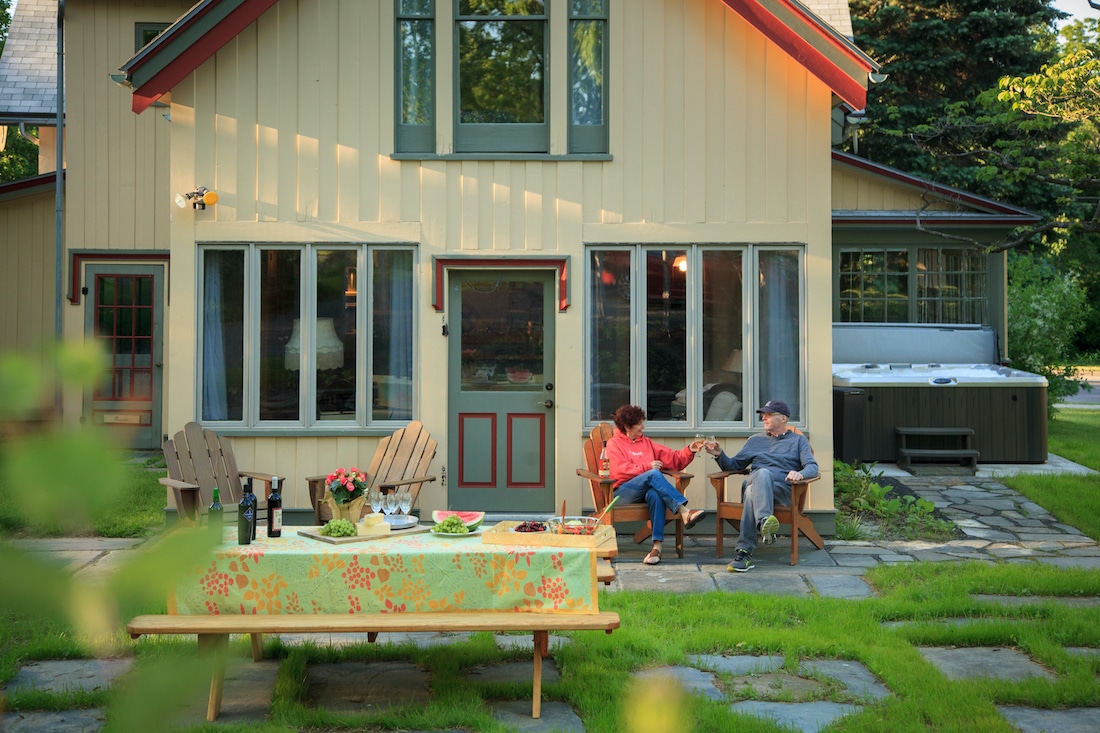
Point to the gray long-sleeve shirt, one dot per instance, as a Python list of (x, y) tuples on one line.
[(779, 454)]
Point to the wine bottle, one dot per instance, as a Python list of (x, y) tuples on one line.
[(255, 511), (246, 516), (215, 515), (605, 464), (275, 511)]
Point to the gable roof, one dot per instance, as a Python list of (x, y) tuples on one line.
[(790, 24), (910, 194), (28, 67)]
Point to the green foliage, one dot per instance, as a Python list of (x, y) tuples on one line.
[(866, 508), (1045, 311), (18, 159)]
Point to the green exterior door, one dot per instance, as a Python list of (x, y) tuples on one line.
[(501, 387), (124, 313)]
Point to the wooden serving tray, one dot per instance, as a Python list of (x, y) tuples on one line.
[(502, 534), (315, 534)]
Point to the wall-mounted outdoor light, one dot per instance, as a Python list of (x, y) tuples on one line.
[(199, 198)]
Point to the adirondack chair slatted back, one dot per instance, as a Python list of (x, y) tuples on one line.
[(593, 447), (404, 455), (201, 457)]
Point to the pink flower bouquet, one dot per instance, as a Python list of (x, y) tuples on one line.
[(346, 484)]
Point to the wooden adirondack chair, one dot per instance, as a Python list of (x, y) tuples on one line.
[(794, 515), (402, 459), (198, 461), (602, 491)]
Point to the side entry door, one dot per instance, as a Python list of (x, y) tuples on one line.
[(124, 313), (501, 387)]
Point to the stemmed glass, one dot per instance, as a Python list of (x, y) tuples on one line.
[(711, 440), (375, 499), (390, 502), (405, 499)]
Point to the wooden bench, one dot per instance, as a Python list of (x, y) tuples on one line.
[(967, 455), (213, 633)]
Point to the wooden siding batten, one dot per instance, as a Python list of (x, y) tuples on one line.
[(226, 125), (308, 110), (243, 192), (674, 77), (329, 69)]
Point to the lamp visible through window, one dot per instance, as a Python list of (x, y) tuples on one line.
[(330, 350)]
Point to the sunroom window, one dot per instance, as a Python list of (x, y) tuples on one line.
[(911, 284), (302, 335), (669, 328)]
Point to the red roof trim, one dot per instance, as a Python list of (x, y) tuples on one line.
[(28, 185), (842, 84), (178, 69)]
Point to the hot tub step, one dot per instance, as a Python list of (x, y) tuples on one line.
[(966, 455)]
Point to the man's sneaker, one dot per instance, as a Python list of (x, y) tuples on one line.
[(768, 528), (742, 562)]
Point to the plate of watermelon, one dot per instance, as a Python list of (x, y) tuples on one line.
[(445, 520)]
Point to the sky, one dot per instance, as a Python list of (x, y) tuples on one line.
[(1079, 8)]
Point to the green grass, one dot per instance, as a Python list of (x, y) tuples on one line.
[(136, 511), (1074, 500)]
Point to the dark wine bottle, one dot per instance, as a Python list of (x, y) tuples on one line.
[(275, 511), (255, 511), (246, 517), (215, 515)]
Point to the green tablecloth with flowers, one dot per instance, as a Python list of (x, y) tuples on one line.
[(418, 573)]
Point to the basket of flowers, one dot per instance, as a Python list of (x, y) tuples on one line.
[(346, 493)]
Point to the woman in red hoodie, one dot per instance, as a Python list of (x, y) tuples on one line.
[(636, 463)]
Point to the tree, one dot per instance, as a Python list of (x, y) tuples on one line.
[(18, 157), (940, 52)]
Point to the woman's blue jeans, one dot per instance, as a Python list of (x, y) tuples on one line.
[(658, 493)]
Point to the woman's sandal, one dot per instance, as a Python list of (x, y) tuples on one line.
[(693, 518), (653, 557)]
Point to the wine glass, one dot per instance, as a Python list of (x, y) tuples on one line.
[(375, 499), (405, 499), (390, 502), (711, 440)]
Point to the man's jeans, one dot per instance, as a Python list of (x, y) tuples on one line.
[(658, 493), (759, 493)]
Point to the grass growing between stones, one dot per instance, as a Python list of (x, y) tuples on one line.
[(934, 602)]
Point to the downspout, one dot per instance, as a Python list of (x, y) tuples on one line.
[(59, 192)]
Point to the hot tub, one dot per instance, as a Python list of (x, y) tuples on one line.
[(1006, 408)]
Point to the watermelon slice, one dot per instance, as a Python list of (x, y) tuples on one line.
[(472, 520)]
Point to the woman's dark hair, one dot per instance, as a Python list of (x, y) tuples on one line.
[(628, 416)]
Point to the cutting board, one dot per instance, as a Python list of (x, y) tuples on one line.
[(315, 534)]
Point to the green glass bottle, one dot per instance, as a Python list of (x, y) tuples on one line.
[(215, 515)]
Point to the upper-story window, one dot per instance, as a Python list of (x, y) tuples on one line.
[(911, 284), (502, 67), (146, 32)]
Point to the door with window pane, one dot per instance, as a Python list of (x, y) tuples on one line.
[(501, 387), (124, 315)]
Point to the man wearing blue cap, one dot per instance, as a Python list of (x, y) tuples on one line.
[(778, 457)]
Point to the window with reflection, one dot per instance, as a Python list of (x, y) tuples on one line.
[(668, 329), (285, 330)]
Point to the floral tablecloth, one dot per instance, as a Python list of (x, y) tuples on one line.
[(418, 573)]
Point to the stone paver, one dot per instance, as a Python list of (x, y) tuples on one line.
[(1071, 720), (808, 717), (958, 663), (59, 675)]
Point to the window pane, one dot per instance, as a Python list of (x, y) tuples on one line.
[(392, 334), (223, 335), (417, 67), (722, 334), (334, 340), (666, 332), (414, 7), (281, 338), (501, 71), (588, 7), (779, 360), (610, 333), (588, 73), (501, 7)]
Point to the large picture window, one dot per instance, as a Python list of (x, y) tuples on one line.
[(670, 328), (303, 335), (502, 69), (911, 284)]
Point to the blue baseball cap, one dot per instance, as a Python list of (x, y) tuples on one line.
[(776, 406)]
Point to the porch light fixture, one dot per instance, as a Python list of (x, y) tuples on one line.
[(199, 198), (330, 350)]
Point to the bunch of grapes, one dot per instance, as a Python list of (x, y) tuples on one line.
[(338, 528), (451, 525)]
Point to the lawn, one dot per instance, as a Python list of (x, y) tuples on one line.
[(658, 629)]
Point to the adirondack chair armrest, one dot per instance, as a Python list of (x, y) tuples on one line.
[(718, 481), (265, 478), (172, 483), (605, 483), (681, 479)]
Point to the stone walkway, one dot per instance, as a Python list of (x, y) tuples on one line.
[(999, 526)]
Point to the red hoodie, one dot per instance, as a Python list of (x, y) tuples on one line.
[(630, 458)]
